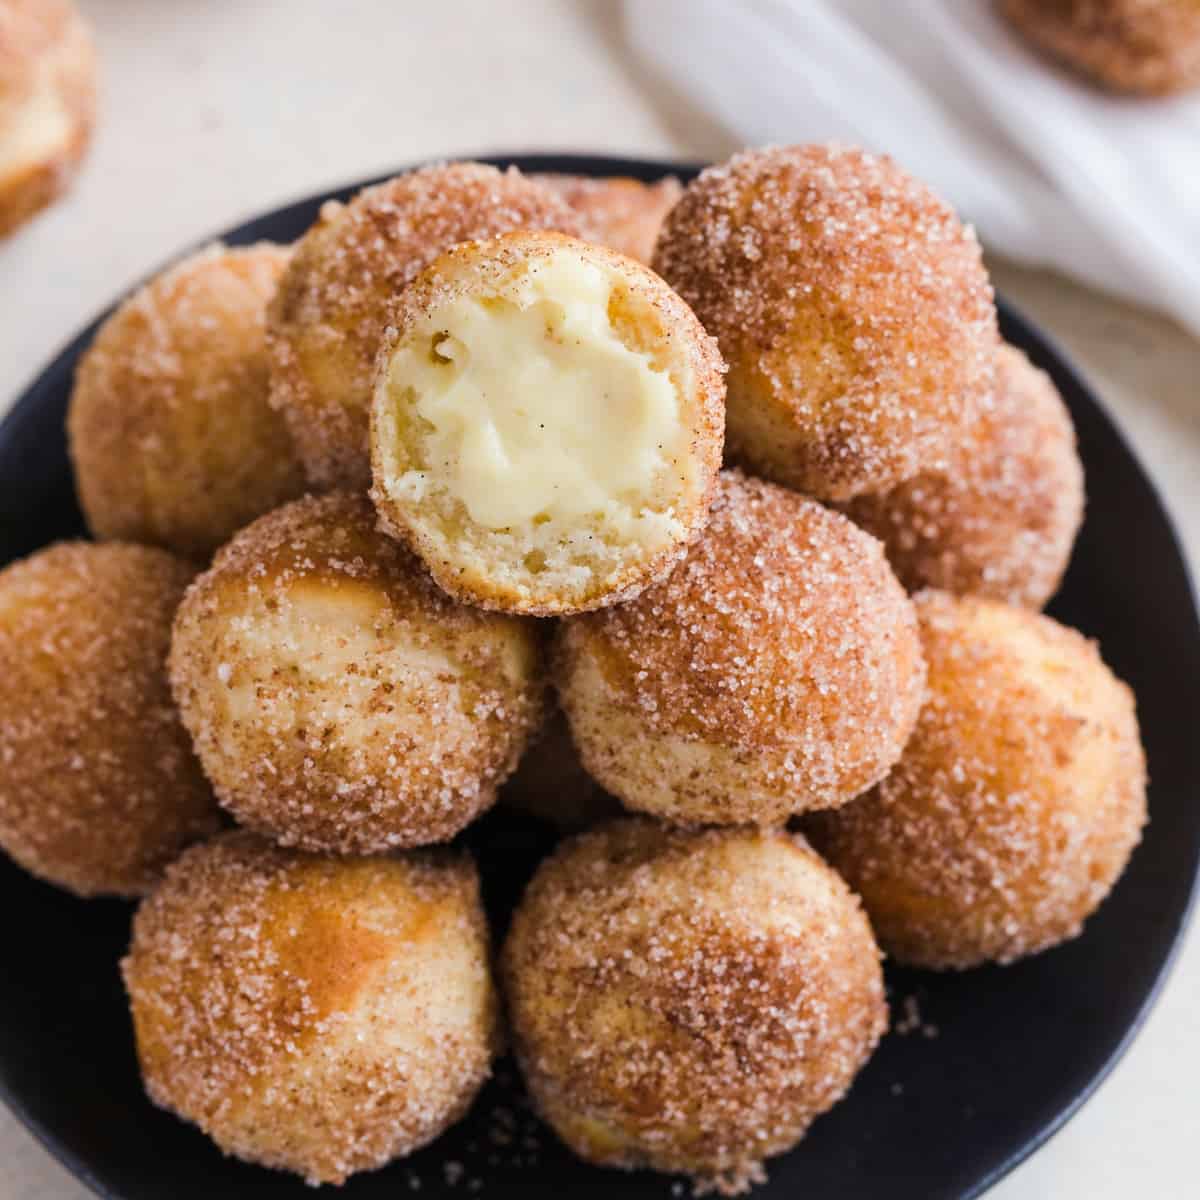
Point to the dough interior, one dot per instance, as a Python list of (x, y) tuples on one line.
[(532, 408), (39, 129)]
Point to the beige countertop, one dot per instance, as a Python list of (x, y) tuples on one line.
[(214, 112)]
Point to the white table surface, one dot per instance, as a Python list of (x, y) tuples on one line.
[(213, 112)]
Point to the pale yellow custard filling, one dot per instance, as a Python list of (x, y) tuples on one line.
[(533, 410), (38, 129)]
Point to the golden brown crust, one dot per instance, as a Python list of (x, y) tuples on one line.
[(777, 669), (624, 214), (331, 310), (1002, 520), (172, 438), (689, 1001), (851, 304), (1016, 804), (338, 700), (99, 789), (45, 51), (1145, 47), (317, 1015), (651, 318)]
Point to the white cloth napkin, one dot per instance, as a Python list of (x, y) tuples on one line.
[(1051, 171)]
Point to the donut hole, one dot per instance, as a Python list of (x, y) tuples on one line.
[(1000, 517), (47, 104), (313, 1014), (534, 426), (1016, 803), (540, 415), (171, 433), (689, 1000), (340, 702), (441, 352), (852, 307), (378, 705), (99, 789), (777, 670)]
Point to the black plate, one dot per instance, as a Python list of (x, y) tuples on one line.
[(1016, 1051)]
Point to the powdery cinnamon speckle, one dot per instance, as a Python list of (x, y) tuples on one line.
[(689, 1001), (777, 669), (316, 1015), (99, 788), (851, 304)]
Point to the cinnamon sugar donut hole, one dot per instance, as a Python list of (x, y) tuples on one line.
[(317, 1015), (1016, 804), (47, 104), (331, 310), (547, 424), (172, 438), (1002, 520), (851, 305), (1145, 47), (99, 788), (624, 214), (689, 1001), (777, 670), (338, 700)]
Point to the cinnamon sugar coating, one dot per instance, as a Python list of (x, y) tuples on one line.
[(851, 305), (1016, 804), (338, 700), (1144, 47), (689, 1001), (331, 310), (172, 438), (624, 214), (315, 1015), (47, 104), (99, 788), (1002, 520), (777, 669)]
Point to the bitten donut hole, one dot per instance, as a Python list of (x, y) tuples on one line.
[(533, 422), (536, 412), (47, 104)]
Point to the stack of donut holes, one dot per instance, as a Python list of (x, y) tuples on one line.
[(727, 565)]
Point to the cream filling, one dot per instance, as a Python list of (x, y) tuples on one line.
[(38, 129), (532, 408)]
